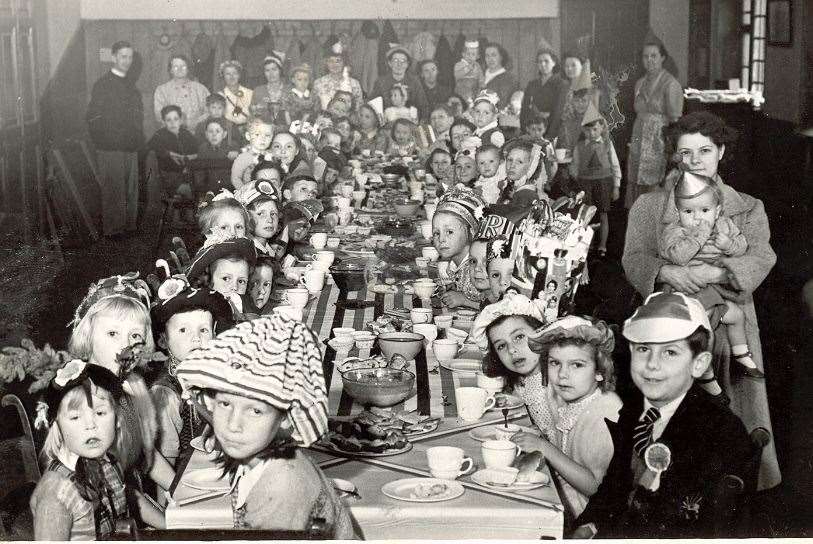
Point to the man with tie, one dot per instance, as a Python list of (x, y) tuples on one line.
[(674, 443)]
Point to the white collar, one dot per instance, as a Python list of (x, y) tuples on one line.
[(118, 72), (454, 267), (302, 94), (246, 478), (491, 75), (667, 411), (67, 457), (480, 131)]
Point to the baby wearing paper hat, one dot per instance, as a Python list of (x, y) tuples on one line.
[(700, 232)]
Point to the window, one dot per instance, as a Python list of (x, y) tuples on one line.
[(753, 45)]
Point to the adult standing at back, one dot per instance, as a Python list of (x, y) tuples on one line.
[(115, 119), (658, 102), (183, 92), (545, 94), (497, 78), (399, 61), (337, 77)]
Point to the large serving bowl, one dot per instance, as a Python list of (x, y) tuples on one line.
[(349, 277), (406, 344), (382, 387), (406, 208)]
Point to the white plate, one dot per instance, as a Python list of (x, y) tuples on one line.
[(512, 401), (468, 366), (206, 479), (410, 489), (486, 432), (538, 479), (359, 253)]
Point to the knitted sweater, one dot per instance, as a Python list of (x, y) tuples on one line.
[(115, 114)]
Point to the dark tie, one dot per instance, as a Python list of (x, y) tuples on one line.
[(642, 437)]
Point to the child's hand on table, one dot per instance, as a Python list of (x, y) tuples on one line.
[(529, 442), (453, 299)]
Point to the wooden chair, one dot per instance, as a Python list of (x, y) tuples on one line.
[(733, 498), (19, 474), (319, 530)]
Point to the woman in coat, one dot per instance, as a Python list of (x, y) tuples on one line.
[(700, 140)]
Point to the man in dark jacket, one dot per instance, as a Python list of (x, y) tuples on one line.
[(115, 118)]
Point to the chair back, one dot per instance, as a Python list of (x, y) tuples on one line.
[(19, 474)]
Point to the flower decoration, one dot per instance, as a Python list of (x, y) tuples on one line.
[(69, 372), (171, 287), (41, 365)]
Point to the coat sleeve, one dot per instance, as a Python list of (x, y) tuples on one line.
[(749, 270), (641, 260), (739, 243), (678, 245)]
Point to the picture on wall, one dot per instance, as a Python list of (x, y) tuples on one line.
[(780, 22)]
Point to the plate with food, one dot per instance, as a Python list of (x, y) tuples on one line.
[(507, 479), (368, 434), (423, 489), (463, 366), (507, 401), (488, 432), (206, 479), (373, 448)]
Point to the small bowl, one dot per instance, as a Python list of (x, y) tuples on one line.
[(366, 343), (381, 387), (463, 324), (341, 344), (407, 208), (406, 344), (457, 334)]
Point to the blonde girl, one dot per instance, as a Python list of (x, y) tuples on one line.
[(82, 492), (222, 215)]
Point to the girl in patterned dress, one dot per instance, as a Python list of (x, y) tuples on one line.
[(262, 382)]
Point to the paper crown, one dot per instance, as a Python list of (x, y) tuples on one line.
[(472, 44), (277, 57), (493, 225), (665, 317), (691, 185), (250, 192), (487, 96), (591, 115), (464, 203), (398, 48), (127, 286), (585, 79)]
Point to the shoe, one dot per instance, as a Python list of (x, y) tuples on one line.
[(748, 371)]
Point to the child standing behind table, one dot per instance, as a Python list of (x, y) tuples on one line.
[(211, 172), (399, 96), (259, 134), (596, 169), (468, 74), (702, 233), (492, 172), (299, 101), (262, 382)]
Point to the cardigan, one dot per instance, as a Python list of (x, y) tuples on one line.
[(642, 263), (189, 95)]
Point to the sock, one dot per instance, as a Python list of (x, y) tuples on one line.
[(738, 351)]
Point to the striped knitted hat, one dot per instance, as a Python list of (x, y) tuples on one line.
[(273, 359)]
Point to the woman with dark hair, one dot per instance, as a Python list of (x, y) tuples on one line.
[(544, 94), (183, 92), (436, 93), (699, 140), (266, 101), (658, 101), (497, 78)]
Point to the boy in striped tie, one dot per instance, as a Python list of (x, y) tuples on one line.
[(674, 443)]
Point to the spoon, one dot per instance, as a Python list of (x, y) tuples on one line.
[(505, 416)]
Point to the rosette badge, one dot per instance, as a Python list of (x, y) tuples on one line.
[(657, 457), (69, 372)]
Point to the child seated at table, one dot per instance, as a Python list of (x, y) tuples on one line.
[(261, 284), (329, 160), (82, 494), (224, 265), (287, 148), (402, 141), (298, 188), (297, 218), (399, 96), (183, 319), (492, 172), (484, 113), (175, 148), (259, 134), (262, 382), (526, 178), (372, 138), (260, 200), (222, 215), (465, 168), (216, 106), (492, 227), (212, 167), (268, 169), (454, 225), (501, 263), (673, 443)]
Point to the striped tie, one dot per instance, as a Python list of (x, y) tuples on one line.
[(642, 436)]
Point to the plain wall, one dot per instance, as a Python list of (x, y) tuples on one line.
[(317, 9), (669, 20), (63, 20), (786, 69)]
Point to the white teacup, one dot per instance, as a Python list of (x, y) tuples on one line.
[(429, 332), (420, 315), (314, 280), (421, 262), (445, 349), (505, 432), (492, 385), (425, 289), (446, 462), (324, 266), (499, 453), (561, 154), (290, 312), (358, 197), (343, 332), (298, 298), (430, 253), (318, 240), (443, 321), (458, 335), (345, 216), (343, 202), (472, 403), (420, 173), (324, 256)]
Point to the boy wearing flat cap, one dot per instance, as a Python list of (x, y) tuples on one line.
[(674, 443)]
